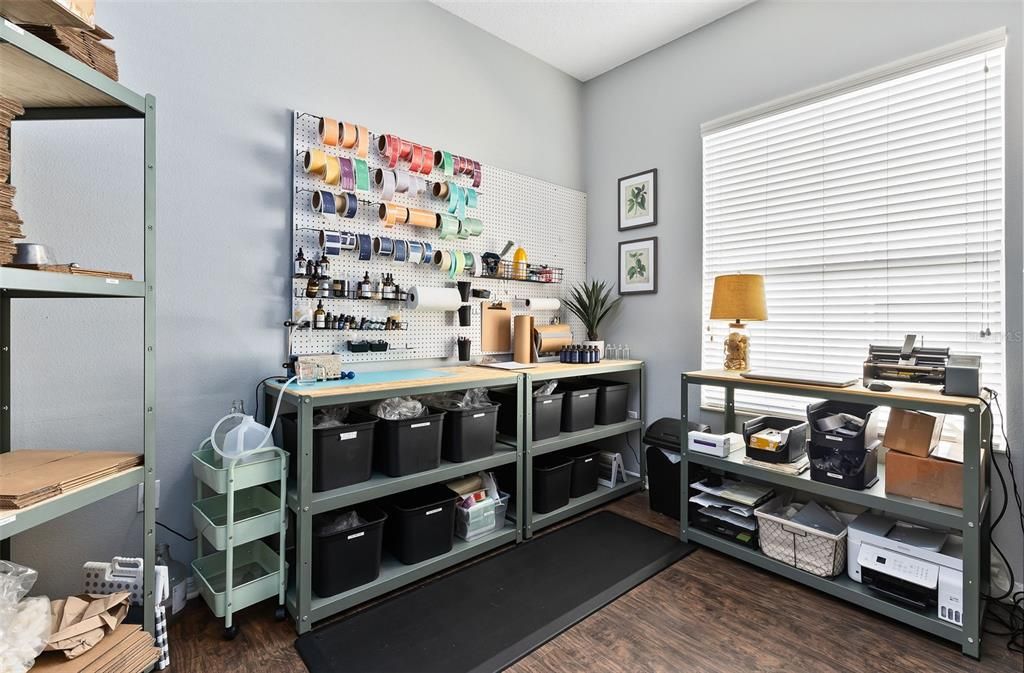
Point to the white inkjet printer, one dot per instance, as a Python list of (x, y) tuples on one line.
[(919, 567)]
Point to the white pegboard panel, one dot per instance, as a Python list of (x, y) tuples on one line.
[(547, 220)]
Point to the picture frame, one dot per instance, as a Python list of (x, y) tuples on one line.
[(638, 200), (638, 266)]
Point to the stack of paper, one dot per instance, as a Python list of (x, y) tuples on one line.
[(10, 223), (30, 476), (127, 650), (81, 44), (795, 468), (730, 501)]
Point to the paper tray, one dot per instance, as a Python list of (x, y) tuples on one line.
[(257, 515)]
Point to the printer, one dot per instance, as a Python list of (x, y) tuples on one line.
[(916, 566)]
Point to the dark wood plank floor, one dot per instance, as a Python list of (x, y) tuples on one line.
[(706, 613)]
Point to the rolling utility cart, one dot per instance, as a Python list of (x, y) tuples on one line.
[(234, 522)]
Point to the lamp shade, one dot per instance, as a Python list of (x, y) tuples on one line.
[(739, 297)]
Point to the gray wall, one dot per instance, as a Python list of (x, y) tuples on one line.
[(765, 50), (226, 76)]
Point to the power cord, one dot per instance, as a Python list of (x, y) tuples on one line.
[(183, 537), (256, 413)]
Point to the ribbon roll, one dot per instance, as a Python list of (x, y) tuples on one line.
[(428, 253), (473, 226), (422, 218), (456, 201), (402, 182), (405, 149), (362, 175), (477, 174), (463, 232), (347, 240), (348, 135), (387, 147), (415, 252), (383, 246), (443, 160), (349, 205), (428, 161), (362, 142), (456, 164), (313, 161), (440, 190), (364, 246), (471, 197), (322, 201), (420, 185), (327, 128), (385, 179), (330, 241), (401, 251), (447, 224), (478, 265), (458, 264), (392, 213), (332, 171), (348, 174), (416, 160), (446, 260)]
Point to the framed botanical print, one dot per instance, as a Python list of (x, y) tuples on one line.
[(638, 266), (638, 200)]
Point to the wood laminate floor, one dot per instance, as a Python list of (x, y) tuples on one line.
[(707, 613)]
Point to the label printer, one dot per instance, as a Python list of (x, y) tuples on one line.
[(916, 566)]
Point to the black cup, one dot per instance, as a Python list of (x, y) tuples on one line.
[(464, 289), (464, 312), (465, 346)]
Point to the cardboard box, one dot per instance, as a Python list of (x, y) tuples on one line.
[(938, 480), (912, 432)]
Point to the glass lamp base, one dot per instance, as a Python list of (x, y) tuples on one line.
[(737, 348)]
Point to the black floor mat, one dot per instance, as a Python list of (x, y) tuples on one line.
[(487, 616)]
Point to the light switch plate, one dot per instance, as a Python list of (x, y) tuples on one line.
[(142, 492)]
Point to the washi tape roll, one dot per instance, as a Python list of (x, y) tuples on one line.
[(348, 174), (348, 240), (422, 218), (421, 185), (473, 226), (440, 190), (478, 174), (385, 180), (392, 213), (348, 135), (383, 246), (322, 201), (362, 142), (415, 252), (428, 253), (448, 225), (458, 264), (463, 231), (364, 247), (471, 197), (416, 160), (362, 175), (478, 265), (443, 160), (330, 241), (405, 149), (313, 161), (327, 128), (401, 251), (348, 205), (402, 181), (332, 171), (428, 161), (387, 147)]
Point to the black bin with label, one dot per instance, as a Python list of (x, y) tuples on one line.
[(579, 406), (585, 471), (468, 434), (346, 558), (547, 413), (342, 455), (409, 445), (421, 523), (612, 401), (552, 476)]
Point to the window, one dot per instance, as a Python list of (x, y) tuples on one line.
[(873, 208)]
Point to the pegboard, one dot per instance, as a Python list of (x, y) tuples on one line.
[(547, 220)]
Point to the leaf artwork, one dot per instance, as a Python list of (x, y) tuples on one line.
[(636, 200), (636, 266)]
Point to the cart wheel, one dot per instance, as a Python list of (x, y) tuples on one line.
[(279, 613), (230, 632)]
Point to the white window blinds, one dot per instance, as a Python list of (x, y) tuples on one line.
[(873, 212)]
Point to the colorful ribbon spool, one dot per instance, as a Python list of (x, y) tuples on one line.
[(327, 129), (428, 254), (386, 181), (401, 251), (348, 206), (478, 174), (415, 252), (422, 218), (349, 135), (473, 226), (313, 161), (323, 201), (448, 225), (332, 171), (362, 142), (383, 246), (330, 242), (364, 246), (388, 148), (348, 240), (348, 174), (362, 175), (392, 213)]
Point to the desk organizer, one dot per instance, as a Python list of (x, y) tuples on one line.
[(789, 451)]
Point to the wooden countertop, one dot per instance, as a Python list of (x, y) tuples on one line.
[(541, 370), (468, 376)]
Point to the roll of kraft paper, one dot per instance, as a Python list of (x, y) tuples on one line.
[(362, 142), (392, 213), (330, 241), (362, 175), (473, 226), (383, 246), (364, 247), (328, 131), (348, 174), (348, 135), (401, 251), (323, 201), (448, 225), (349, 205), (522, 339), (385, 179), (313, 161), (422, 218), (428, 253), (543, 304), (433, 299), (415, 252)]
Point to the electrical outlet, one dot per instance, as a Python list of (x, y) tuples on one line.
[(635, 415), (142, 495)]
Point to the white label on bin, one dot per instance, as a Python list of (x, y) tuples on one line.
[(834, 438), (588, 460), (833, 475), (546, 401), (353, 536), (434, 511), (419, 425), (347, 435), (480, 415), (113, 281), (584, 396)]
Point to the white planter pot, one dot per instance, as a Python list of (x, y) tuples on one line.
[(599, 344)]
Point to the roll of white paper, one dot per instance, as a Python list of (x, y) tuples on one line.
[(543, 304), (433, 299)]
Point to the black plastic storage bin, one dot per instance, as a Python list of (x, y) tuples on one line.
[(468, 434), (342, 455), (818, 412), (552, 475), (421, 523), (794, 447), (345, 559), (547, 413), (585, 471), (663, 475), (858, 480), (579, 407), (409, 445), (612, 401)]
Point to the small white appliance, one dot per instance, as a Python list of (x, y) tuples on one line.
[(913, 565), (715, 445)]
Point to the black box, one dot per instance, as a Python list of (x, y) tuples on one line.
[(547, 413), (421, 523), (342, 455), (612, 401), (552, 475), (858, 480), (792, 450), (468, 434), (348, 558), (409, 445), (585, 469), (858, 441), (579, 408)]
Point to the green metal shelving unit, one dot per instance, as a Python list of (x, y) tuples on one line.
[(54, 86), (972, 521)]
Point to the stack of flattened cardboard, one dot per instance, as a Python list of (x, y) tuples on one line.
[(81, 44), (10, 223), (128, 649), (29, 476)]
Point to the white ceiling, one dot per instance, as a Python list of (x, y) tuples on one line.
[(587, 38)]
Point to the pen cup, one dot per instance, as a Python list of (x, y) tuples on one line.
[(464, 286), (464, 313), (465, 346)]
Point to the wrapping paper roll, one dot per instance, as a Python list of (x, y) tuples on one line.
[(313, 161), (433, 299), (447, 224), (473, 226), (428, 253), (478, 265), (332, 171), (551, 338), (330, 241), (348, 206), (522, 338), (364, 247), (401, 251), (327, 129), (362, 142), (362, 175), (348, 135), (322, 201), (543, 304), (415, 252), (383, 246), (348, 174), (422, 218), (392, 213)]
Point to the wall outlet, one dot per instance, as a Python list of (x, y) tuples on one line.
[(142, 491), (635, 415)]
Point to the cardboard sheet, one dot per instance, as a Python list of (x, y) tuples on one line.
[(28, 476), (495, 328)]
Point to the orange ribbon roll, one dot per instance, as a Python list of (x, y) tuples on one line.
[(328, 130), (362, 142), (422, 218), (348, 135), (392, 213)]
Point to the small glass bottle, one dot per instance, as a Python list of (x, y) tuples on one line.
[(365, 288), (319, 316), (300, 264), (624, 352)]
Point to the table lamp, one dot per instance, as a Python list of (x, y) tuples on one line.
[(738, 297)]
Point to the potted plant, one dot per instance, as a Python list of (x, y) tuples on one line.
[(591, 304)]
